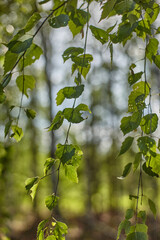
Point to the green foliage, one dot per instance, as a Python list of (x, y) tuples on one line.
[(69, 92), (152, 207), (126, 145), (32, 54), (51, 201), (75, 115), (49, 163), (30, 113), (126, 171), (18, 46), (59, 21), (149, 123), (137, 21), (25, 82), (17, 133)]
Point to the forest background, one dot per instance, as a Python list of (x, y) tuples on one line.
[(95, 206)]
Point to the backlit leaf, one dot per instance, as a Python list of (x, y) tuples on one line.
[(71, 173), (146, 144), (155, 164), (51, 201), (32, 54), (48, 165), (9, 61), (125, 224), (149, 123), (30, 182), (148, 171), (25, 82), (151, 49), (137, 236), (17, 133), (32, 21), (30, 113)]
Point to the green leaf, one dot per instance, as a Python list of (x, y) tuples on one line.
[(152, 207), (72, 52), (125, 30), (9, 61), (30, 182), (44, 1), (151, 49), (30, 113), (51, 201), (134, 77), (6, 80), (149, 123), (25, 83), (60, 230), (156, 60), (48, 165), (81, 70), (155, 163), (122, 7), (137, 236), (131, 123), (139, 227), (146, 144), (51, 237), (142, 215), (126, 171), (71, 173), (57, 121), (69, 154), (32, 54), (75, 115), (136, 98), (82, 60), (99, 34), (129, 214), (59, 21), (126, 145), (32, 21), (148, 170), (125, 224), (69, 92), (33, 191), (17, 133), (74, 29), (18, 46), (41, 227), (107, 8), (7, 127), (2, 98), (138, 159)]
